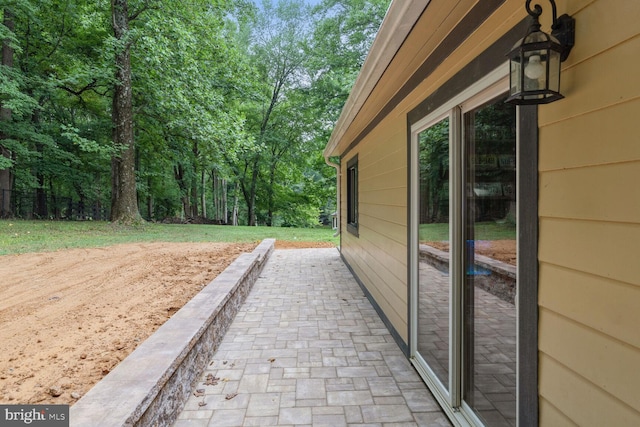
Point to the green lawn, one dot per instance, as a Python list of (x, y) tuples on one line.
[(483, 230), (46, 236)]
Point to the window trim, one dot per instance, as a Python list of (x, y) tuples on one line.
[(352, 196)]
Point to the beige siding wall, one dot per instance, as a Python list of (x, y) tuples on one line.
[(590, 225), (589, 206), (379, 255)]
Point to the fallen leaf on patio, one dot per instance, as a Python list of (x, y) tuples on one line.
[(230, 396), (203, 403), (199, 392), (272, 360), (211, 380)]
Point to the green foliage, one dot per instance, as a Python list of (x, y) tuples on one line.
[(225, 88), (434, 172)]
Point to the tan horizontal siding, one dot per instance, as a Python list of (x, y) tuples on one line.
[(551, 416), (595, 83), (393, 195), (393, 231), (597, 357), (605, 305), (601, 193), (619, 17), (603, 249), (580, 400), (589, 207), (598, 137), (382, 180), (589, 202), (389, 253), (378, 254), (386, 156), (391, 304), (383, 211), (391, 297)]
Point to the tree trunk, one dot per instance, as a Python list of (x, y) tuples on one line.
[(6, 175), (41, 210), (235, 206), (217, 196), (195, 200), (214, 194), (225, 217), (203, 200), (40, 204), (149, 200), (124, 201), (251, 200), (272, 181), (178, 173)]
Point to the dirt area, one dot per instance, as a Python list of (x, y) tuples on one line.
[(68, 318), (502, 250), (281, 244)]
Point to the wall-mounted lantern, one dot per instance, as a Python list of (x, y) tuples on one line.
[(535, 59)]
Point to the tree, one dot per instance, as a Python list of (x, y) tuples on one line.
[(124, 198), (178, 104), (50, 90), (276, 47), (6, 174), (187, 92), (343, 34)]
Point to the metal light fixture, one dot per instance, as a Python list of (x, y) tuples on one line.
[(535, 59)]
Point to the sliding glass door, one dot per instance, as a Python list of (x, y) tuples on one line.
[(433, 283), (463, 257)]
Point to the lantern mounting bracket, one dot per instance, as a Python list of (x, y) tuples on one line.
[(562, 28)]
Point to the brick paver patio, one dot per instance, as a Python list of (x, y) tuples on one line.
[(307, 348)]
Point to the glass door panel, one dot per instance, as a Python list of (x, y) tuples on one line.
[(433, 252), (489, 288)]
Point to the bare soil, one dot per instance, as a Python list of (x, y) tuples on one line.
[(501, 250), (68, 318)]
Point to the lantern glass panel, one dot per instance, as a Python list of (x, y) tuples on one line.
[(554, 71), (515, 81)]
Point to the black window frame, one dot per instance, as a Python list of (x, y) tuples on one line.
[(352, 196)]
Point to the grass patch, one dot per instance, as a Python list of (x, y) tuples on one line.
[(483, 231), (47, 236)]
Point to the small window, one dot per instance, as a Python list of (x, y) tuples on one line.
[(352, 195)]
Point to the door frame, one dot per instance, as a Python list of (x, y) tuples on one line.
[(431, 110)]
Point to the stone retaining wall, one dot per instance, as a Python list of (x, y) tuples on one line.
[(495, 277), (151, 386)]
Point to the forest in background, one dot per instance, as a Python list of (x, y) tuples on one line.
[(199, 110)]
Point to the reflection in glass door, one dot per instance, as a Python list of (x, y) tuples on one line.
[(489, 360), (433, 252)]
